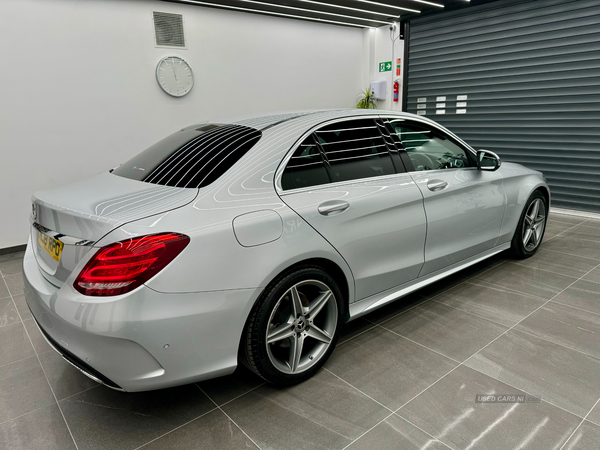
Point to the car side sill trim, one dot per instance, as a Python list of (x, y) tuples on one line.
[(369, 304)]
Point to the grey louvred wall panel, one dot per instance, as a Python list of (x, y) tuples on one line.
[(531, 71)]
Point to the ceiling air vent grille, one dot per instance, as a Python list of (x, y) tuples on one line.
[(168, 30)]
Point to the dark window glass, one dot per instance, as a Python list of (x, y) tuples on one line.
[(355, 149), (430, 149), (191, 158), (305, 168)]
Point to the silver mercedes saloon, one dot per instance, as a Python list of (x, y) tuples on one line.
[(255, 242)]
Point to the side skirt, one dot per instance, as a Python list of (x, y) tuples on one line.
[(369, 304)]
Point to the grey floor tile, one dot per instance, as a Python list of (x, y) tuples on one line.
[(566, 218), (387, 367), (587, 437), (11, 266), (354, 328), (555, 228), (562, 376), (105, 419), (14, 283), (491, 302), (397, 434), (209, 432), (561, 263), (448, 411), (8, 312), (14, 343), (224, 389), (572, 245), (583, 294), (449, 331), (3, 289), (566, 326), (39, 343), (22, 306), (65, 379), (44, 429), (527, 280), (584, 232), (321, 413), (594, 275), (23, 388), (396, 307), (592, 223), (9, 256), (594, 415)]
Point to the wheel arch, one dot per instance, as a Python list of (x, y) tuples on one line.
[(325, 264), (546, 192)]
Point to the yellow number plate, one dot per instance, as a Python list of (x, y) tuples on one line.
[(51, 245)]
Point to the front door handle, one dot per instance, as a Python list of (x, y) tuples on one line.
[(332, 207), (437, 185)]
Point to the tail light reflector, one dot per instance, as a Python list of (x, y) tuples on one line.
[(123, 266)]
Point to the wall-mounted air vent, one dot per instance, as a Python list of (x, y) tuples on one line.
[(168, 30)]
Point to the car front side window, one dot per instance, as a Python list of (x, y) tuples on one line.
[(430, 149)]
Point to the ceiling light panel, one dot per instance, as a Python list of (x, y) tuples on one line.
[(315, 11), (384, 5), (377, 13), (260, 11)]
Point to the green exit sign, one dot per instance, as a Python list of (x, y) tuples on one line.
[(385, 66)]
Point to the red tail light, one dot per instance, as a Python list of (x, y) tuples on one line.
[(123, 266)]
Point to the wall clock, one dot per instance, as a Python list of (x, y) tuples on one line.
[(174, 76)]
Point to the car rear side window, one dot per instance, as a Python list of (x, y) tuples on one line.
[(355, 149), (191, 158), (306, 167)]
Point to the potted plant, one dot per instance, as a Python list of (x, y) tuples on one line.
[(366, 100)]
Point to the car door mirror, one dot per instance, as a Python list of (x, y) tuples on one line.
[(487, 160)]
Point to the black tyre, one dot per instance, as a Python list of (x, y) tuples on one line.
[(294, 327), (531, 227)]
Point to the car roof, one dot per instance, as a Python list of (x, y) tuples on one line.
[(280, 132), (266, 122)]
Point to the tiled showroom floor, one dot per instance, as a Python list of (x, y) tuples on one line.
[(405, 377)]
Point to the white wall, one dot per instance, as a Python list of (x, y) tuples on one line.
[(78, 93), (382, 51)]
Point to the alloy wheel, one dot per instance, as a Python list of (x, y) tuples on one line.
[(533, 224), (301, 326)]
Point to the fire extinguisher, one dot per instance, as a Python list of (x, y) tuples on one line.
[(396, 90)]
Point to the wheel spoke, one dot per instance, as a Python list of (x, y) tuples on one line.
[(318, 334), (317, 305), (296, 302), (527, 236), (534, 238), (283, 331), (296, 352), (529, 220), (534, 211), (539, 220)]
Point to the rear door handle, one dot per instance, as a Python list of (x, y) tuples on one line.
[(437, 185), (332, 207)]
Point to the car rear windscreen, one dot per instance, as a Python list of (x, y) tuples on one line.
[(191, 158)]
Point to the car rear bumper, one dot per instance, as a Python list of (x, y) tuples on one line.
[(142, 340)]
